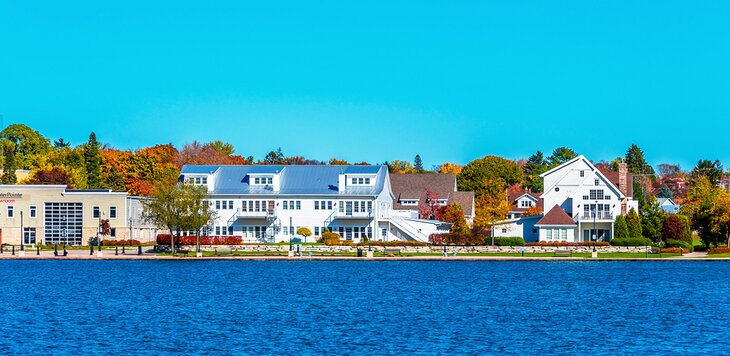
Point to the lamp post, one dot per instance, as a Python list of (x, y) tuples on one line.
[(63, 227), (98, 240), (197, 235), (370, 211), (291, 232), (595, 232), (22, 232)]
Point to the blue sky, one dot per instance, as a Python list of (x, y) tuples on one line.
[(376, 80)]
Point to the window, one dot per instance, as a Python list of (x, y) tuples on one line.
[(606, 197), (63, 223), (360, 181), (291, 230), (354, 180), (243, 206), (217, 230), (230, 204), (534, 230), (316, 231), (113, 232), (33, 212), (291, 205), (257, 180), (95, 212), (595, 181), (504, 231), (329, 205), (370, 206), (218, 204), (525, 203), (596, 194), (585, 197), (582, 174), (384, 232), (316, 205), (299, 205), (29, 235), (286, 205), (367, 181), (557, 189), (564, 234), (230, 230), (270, 180), (112, 212), (409, 202), (197, 180), (205, 180), (549, 234)]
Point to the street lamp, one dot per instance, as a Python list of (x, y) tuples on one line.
[(291, 232), (197, 234), (370, 211), (22, 232), (595, 232), (65, 232)]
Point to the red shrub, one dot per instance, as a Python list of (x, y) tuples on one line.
[(455, 239), (718, 250), (120, 243), (164, 239), (673, 250)]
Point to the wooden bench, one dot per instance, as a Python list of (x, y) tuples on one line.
[(392, 250), (563, 253)]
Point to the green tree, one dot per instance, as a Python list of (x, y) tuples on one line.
[(652, 221), (535, 166), (61, 143), (223, 147), (698, 208), (561, 155), (274, 157), (179, 207), (113, 179), (418, 164), (711, 170), (31, 148), (621, 229), (489, 176), (92, 162), (633, 221), (9, 162), (664, 192), (635, 161)]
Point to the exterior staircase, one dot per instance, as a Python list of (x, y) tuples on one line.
[(409, 230)]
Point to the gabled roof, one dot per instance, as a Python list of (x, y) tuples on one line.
[(295, 180), (413, 186), (556, 217), (661, 201), (593, 168), (613, 177)]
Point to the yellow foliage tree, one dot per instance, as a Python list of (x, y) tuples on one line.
[(449, 167)]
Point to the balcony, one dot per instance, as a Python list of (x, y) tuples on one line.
[(262, 214), (600, 215), (351, 215)]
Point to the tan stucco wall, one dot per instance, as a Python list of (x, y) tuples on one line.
[(22, 197)]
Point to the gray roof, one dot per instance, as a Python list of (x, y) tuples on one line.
[(295, 180)]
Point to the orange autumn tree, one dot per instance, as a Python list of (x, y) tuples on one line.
[(448, 167)]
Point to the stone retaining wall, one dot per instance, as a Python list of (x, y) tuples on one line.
[(428, 249)]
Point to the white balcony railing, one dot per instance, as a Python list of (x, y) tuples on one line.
[(263, 214), (352, 215), (600, 215)]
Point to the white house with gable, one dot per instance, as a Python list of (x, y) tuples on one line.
[(269, 203), (580, 202)]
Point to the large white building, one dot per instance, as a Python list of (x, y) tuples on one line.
[(269, 203), (579, 201)]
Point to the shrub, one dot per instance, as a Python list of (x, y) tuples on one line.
[(672, 250), (455, 239), (678, 243), (164, 239), (564, 243), (631, 242), (718, 250), (331, 238), (120, 243), (507, 241)]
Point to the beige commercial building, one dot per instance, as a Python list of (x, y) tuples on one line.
[(50, 214)]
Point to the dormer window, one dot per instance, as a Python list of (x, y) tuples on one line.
[(360, 181), (410, 202), (263, 180)]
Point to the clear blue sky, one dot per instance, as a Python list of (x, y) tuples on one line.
[(375, 80)]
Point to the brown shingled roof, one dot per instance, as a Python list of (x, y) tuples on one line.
[(613, 176), (556, 216), (413, 186)]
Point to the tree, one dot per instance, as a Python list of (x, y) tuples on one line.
[(711, 170), (8, 162), (698, 208), (664, 192), (621, 229), (197, 153), (673, 228), (223, 148), (634, 224), (430, 209), (274, 157), (635, 161), (489, 176), (179, 207), (447, 168), (669, 170), (304, 232), (92, 162), (400, 167), (652, 221), (31, 148), (454, 215), (50, 175), (720, 216), (561, 155), (60, 144), (534, 166), (338, 162), (418, 164)]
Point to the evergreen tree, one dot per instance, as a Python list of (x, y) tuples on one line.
[(92, 162), (633, 221), (535, 166), (561, 155), (9, 164), (711, 170), (418, 164), (664, 192), (274, 157), (639, 195), (621, 230), (652, 221), (636, 162)]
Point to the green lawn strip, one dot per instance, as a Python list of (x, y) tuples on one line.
[(719, 255)]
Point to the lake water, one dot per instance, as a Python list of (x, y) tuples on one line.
[(310, 307)]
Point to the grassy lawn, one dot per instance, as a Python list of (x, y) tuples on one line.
[(719, 255)]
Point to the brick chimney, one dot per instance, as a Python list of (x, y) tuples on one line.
[(623, 179)]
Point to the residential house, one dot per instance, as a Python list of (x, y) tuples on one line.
[(520, 202), (668, 205), (410, 192)]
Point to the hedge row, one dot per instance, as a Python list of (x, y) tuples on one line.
[(673, 250), (164, 239), (455, 239), (394, 243), (507, 241), (120, 243)]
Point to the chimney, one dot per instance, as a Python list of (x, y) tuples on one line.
[(623, 178)]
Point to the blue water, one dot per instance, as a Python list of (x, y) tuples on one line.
[(252, 307)]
